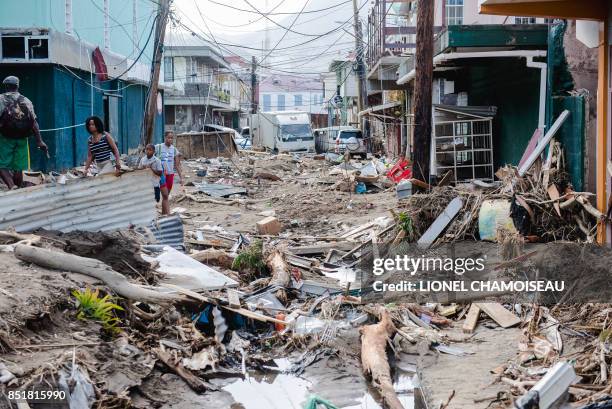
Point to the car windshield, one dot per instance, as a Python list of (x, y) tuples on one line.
[(294, 132), (350, 134)]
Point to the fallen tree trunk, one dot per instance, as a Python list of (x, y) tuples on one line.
[(280, 274), (280, 270), (93, 268), (374, 360)]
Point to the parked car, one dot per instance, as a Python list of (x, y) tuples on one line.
[(241, 141), (340, 139)]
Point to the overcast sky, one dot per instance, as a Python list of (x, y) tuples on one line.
[(220, 17), (248, 29)]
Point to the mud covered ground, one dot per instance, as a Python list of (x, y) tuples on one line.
[(40, 332)]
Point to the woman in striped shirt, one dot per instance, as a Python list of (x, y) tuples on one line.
[(100, 146)]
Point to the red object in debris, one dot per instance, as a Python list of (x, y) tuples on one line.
[(278, 326), (401, 170), (100, 65), (296, 274)]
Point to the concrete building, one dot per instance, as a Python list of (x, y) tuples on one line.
[(71, 68), (342, 105), (290, 93), (202, 87)]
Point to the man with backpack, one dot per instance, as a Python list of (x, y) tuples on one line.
[(17, 124)]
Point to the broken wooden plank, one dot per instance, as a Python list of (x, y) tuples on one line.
[(210, 243), (233, 298), (437, 227), (472, 319), (499, 314), (420, 183), (447, 178), (198, 385), (543, 143), (553, 193), (358, 229), (321, 248)]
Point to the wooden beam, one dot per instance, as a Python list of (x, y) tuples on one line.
[(601, 151), (472, 319), (570, 9), (499, 314)]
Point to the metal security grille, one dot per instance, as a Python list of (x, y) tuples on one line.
[(466, 147)]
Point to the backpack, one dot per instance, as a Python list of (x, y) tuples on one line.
[(16, 120)]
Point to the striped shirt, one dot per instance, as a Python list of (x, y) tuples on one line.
[(101, 150)]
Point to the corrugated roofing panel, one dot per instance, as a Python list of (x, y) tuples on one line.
[(92, 204), (169, 231)]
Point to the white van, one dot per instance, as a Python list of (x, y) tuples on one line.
[(339, 139)]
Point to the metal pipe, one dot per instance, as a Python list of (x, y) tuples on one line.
[(440, 58), (542, 111)]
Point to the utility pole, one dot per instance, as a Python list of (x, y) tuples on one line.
[(361, 86), (254, 96), (421, 149), (160, 34)]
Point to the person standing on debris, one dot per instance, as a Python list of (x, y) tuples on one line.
[(17, 123), (100, 146), (150, 161), (170, 158)]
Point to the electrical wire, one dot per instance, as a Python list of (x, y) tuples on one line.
[(290, 28), (250, 22), (285, 33), (279, 14)]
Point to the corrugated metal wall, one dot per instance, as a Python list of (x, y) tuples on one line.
[(61, 99), (101, 203), (572, 136)]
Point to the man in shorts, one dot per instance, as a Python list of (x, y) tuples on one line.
[(17, 124)]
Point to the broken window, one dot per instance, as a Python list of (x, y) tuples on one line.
[(38, 48), (170, 115), (13, 47)]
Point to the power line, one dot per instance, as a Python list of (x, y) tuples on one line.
[(250, 22), (290, 28), (277, 14), (279, 48), (285, 33)]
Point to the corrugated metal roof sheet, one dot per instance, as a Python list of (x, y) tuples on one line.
[(92, 204), (169, 232), (220, 190)]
